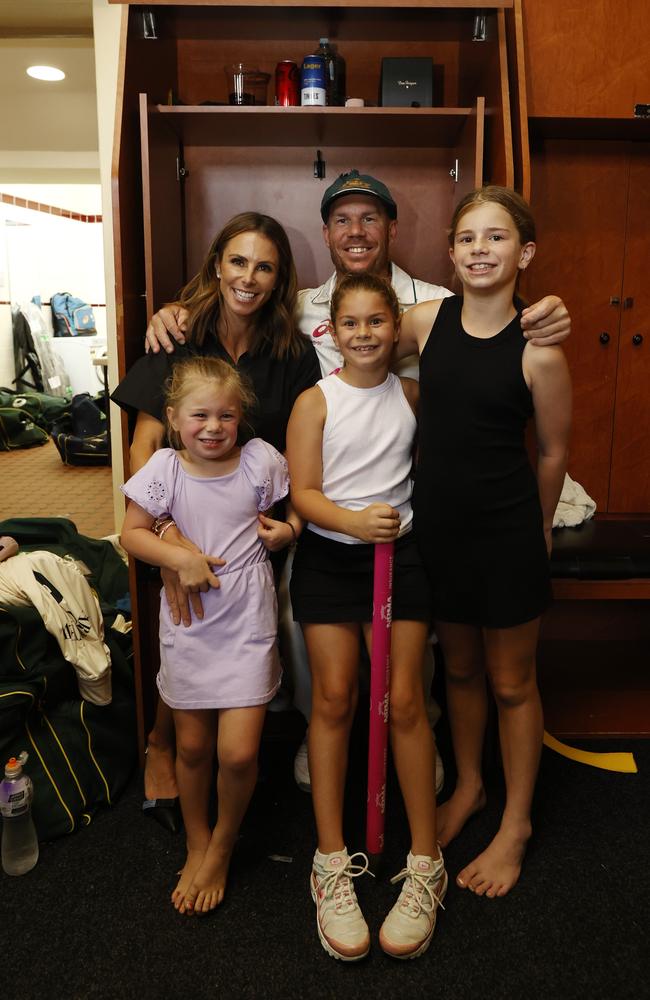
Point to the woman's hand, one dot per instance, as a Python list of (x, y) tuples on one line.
[(379, 522), (274, 534), (183, 588), (195, 572), (170, 319)]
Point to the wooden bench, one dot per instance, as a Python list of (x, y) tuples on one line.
[(594, 654)]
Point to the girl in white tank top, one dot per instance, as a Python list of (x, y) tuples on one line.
[(350, 441)]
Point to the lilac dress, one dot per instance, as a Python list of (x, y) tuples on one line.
[(229, 659)]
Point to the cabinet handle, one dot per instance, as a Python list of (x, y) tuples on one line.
[(628, 302), (637, 339), (614, 300), (604, 338)]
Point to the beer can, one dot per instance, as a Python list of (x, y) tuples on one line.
[(313, 81), (287, 84)]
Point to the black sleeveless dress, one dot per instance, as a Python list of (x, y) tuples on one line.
[(477, 514)]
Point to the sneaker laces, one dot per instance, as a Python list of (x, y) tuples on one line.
[(338, 884), (417, 895)]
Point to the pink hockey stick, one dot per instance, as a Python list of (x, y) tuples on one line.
[(379, 686)]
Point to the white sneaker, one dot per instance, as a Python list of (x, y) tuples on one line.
[(407, 930), (301, 767), (341, 928)]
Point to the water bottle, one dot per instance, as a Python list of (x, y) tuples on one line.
[(19, 840), (334, 74)]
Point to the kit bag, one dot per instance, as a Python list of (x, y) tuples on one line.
[(81, 755), (18, 430), (71, 317), (43, 409), (80, 435)]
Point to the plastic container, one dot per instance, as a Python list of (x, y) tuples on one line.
[(246, 85), (19, 840)]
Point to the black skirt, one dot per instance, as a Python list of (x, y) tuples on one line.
[(332, 581)]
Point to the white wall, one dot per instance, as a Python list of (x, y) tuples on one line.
[(41, 254), (108, 22)]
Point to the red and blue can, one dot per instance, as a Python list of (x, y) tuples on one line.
[(287, 84), (313, 79)]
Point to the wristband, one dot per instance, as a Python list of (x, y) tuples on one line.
[(167, 524)]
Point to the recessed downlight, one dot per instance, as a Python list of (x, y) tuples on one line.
[(46, 73)]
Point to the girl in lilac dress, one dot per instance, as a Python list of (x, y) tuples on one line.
[(225, 668)]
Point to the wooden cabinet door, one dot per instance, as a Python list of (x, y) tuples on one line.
[(587, 60), (630, 472), (579, 198), (162, 210)]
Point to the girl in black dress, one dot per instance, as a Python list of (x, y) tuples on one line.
[(483, 519)]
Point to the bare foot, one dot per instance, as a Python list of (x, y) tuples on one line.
[(160, 773), (495, 871), (187, 873), (209, 883), (454, 813)]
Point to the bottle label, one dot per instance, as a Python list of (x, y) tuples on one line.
[(15, 797)]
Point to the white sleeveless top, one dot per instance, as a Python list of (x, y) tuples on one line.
[(367, 449)]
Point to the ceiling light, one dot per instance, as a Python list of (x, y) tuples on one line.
[(46, 73)]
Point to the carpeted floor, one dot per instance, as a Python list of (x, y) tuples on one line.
[(93, 920), (36, 483)]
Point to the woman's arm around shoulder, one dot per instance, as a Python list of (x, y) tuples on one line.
[(415, 327)]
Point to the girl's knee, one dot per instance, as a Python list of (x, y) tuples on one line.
[(464, 671), (238, 760), (407, 708), (336, 706), (194, 753), (511, 693)]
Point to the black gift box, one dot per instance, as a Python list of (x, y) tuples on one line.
[(407, 83)]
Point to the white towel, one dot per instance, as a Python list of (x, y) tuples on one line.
[(574, 507)]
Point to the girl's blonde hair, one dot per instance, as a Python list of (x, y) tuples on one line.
[(516, 207), (365, 282), (189, 373)]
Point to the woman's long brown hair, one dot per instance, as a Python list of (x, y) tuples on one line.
[(274, 323)]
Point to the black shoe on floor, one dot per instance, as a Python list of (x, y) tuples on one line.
[(166, 812)]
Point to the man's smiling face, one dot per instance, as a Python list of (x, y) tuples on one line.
[(358, 234)]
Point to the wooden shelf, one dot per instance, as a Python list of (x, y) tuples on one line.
[(219, 125), (417, 4)]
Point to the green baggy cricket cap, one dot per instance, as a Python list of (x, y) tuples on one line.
[(356, 183)]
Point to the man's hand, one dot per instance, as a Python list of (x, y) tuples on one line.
[(275, 535), (171, 319), (379, 522), (546, 322)]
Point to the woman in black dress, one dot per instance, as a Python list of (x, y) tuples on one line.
[(241, 308)]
